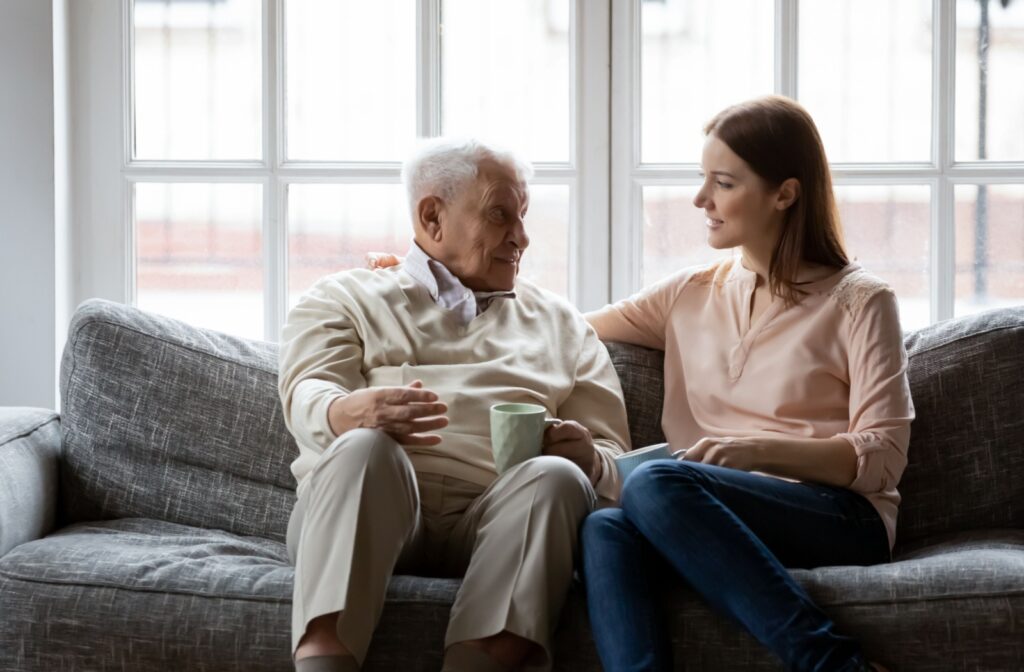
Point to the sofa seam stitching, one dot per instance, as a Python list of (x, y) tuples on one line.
[(28, 432)]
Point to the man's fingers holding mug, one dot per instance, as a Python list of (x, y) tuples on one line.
[(566, 430)]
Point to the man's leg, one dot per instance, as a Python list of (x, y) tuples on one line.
[(355, 515), (517, 544)]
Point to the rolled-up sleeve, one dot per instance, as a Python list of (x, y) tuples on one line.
[(595, 402), (320, 360), (881, 409)]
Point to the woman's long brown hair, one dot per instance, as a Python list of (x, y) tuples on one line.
[(778, 140)]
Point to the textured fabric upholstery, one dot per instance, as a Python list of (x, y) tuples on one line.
[(174, 475), (965, 466), (162, 420), (29, 450), (643, 386)]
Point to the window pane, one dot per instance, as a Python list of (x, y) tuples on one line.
[(197, 80), (331, 227), (674, 235), (887, 232), (351, 79), (989, 95), (865, 76), (697, 57), (199, 256), (989, 247), (505, 74), (546, 261)]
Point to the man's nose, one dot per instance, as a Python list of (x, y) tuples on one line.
[(519, 236)]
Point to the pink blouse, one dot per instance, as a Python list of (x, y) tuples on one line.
[(831, 366)]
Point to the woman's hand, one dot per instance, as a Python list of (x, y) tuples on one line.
[(375, 260), (746, 453), (407, 413)]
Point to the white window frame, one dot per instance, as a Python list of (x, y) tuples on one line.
[(106, 172), (942, 173), (604, 174)]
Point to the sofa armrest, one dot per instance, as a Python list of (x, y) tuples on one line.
[(30, 446)]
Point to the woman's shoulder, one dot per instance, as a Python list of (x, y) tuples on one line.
[(856, 288), (714, 273)]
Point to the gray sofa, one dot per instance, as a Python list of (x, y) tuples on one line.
[(143, 528)]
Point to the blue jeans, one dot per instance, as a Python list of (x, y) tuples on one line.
[(730, 535)]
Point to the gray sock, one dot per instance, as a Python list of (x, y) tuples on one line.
[(463, 658), (327, 664)]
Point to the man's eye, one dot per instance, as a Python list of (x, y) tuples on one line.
[(497, 213)]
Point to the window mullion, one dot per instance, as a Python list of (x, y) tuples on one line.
[(786, 47), (943, 252), (428, 68), (590, 226), (626, 215), (275, 257)]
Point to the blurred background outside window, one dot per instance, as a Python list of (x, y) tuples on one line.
[(310, 190)]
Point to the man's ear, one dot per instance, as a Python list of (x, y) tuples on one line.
[(428, 217), (788, 192)]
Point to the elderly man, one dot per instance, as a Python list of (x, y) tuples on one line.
[(386, 378)]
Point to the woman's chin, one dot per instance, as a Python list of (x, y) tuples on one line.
[(720, 242)]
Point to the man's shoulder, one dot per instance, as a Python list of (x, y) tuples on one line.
[(359, 282), (544, 300)]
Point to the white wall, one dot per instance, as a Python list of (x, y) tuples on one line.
[(27, 238)]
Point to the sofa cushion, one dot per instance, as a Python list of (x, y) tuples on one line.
[(167, 421), (641, 373), (140, 594), (146, 594), (966, 459)]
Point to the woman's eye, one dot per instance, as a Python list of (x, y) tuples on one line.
[(724, 185)]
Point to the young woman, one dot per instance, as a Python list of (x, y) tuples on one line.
[(785, 383)]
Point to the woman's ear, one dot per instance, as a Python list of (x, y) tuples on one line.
[(428, 217), (788, 192)]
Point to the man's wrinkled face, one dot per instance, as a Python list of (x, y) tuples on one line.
[(482, 233)]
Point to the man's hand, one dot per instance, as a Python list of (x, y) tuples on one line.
[(571, 440), (736, 453), (405, 413)]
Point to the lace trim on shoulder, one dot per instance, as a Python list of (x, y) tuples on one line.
[(854, 290)]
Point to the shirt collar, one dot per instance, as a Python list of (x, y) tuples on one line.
[(444, 287)]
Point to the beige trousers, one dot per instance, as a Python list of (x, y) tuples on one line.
[(364, 513)]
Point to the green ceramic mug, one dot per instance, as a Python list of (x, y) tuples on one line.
[(517, 433)]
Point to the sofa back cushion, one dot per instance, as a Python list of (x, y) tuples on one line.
[(163, 420), (966, 460), (642, 375)]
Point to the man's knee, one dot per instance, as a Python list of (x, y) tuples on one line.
[(559, 480), (359, 448)]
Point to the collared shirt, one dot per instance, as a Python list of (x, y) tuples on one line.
[(447, 290)]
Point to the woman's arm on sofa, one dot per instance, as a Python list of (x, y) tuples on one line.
[(30, 446)]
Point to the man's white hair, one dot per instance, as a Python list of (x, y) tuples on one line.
[(443, 167)]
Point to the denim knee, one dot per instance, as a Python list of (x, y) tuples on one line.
[(602, 524), (651, 487)]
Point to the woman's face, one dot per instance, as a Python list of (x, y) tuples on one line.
[(741, 209)]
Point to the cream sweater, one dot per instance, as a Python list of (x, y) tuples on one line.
[(364, 328)]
